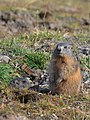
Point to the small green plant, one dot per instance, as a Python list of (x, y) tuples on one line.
[(83, 37), (5, 73), (37, 60), (86, 62), (18, 51)]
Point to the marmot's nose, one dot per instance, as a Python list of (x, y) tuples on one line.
[(59, 48)]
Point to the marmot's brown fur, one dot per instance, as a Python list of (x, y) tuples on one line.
[(64, 71)]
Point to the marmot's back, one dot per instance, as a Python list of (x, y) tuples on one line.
[(64, 71)]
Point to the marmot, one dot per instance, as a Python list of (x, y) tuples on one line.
[(64, 71)]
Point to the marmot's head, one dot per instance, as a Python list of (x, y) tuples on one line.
[(63, 49)]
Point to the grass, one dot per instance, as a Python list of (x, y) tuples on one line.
[(5, 73), (27, 39), (37, 60), (45, 106), (83, 37), (86, 62)]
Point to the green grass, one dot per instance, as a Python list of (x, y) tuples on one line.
[(38, 36), (83, 37), (86, 62), (37, 60), (5, 73), (25, 40)]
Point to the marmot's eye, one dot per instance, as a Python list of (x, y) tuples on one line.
[(65, 47)]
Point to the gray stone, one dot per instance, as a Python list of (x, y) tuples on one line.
[(21, 83), (4, 58)]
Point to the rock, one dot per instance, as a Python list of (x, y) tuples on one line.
[(16, 20), (37, 83), (12, 26), (85, 50), (44, 83), (4, 58), (21, 83), (44, 88)]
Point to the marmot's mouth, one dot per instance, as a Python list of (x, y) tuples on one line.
[(61, 54)]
